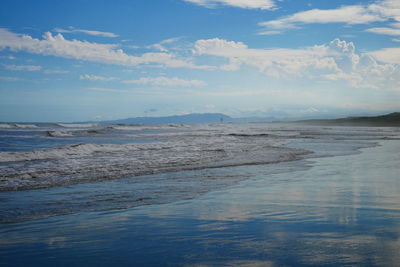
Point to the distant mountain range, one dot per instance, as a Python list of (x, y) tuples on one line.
[(185, 119), (392, 119)]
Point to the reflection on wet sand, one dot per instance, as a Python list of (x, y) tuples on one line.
[(340, 211)]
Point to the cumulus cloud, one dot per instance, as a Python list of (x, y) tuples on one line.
[(273, 62), (23, 67), (344, 55), (95, 78), (386, 9), (336, 60), (88, 51), (248, 4), (94, 33), (165, 81), (388, 55), (379, 11)]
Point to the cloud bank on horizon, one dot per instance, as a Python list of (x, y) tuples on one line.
[(201, 56)]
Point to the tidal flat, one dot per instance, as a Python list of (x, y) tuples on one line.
[(338, 205)]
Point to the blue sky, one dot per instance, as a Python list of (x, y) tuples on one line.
[(100, 60)]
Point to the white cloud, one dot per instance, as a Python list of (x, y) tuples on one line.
[(386, 31), (9, 79), (94, 33), (170, 40), (165, 81), (273, 62), (23, 67), (95, 78), (104, 53), (161, 45), (379, 11), (387, 9), (106, 90), (394, 31), (345, 14), (387, 55), (334, 61), (56, 71), (249, 4), (311, 110), (269, 32), (158, 47), (8, 57)]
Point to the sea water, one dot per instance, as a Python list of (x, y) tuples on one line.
[(250, 195)]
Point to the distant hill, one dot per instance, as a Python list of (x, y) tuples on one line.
[(186, 119), (392, 119)]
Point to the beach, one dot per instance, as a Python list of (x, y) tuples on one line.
[(334, 203)]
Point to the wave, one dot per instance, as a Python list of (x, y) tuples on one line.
[(18, 126), (58, 133), (144, 127), (78, 125), (6, 126), (23, 126), (252, 135), (189, 149), (94, 162), (71, 151)]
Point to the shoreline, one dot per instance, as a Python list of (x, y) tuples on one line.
[(330, 212), (189, 182), (217, 146)]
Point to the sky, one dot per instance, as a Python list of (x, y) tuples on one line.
[(81, 60)]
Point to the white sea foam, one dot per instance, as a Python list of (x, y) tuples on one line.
[(78, 125), (187, 147), (25, 126), (72, 151), (140, 127), (58, 133), (17, 125), (76, 132), (6, 125), (88, 162)]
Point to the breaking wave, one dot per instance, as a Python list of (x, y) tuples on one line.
[(18, 126), (71, 151), (93, 162), (183, 148), (6, 126), (57, 133), (78, 125), (141, 127)]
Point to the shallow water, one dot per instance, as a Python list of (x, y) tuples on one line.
[(36, 156), (342, 210)]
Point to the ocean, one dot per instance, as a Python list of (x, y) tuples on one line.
[(254, 194)]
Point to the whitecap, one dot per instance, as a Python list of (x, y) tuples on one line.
[(23, 126), (77, 125), (58, 133), (6, 126)]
